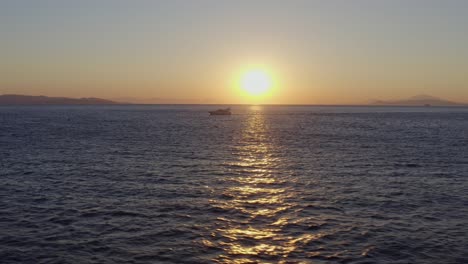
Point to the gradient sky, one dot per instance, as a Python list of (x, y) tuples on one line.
[(320, 52)]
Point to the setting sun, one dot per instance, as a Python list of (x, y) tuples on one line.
[(256, 82)]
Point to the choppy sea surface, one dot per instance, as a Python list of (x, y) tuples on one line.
[(271, 184)]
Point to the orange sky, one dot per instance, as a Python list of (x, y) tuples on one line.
[(185, 52)]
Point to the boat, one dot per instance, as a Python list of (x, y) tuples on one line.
[(226, 111)]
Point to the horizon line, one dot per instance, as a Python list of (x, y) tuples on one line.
[(382, 103)]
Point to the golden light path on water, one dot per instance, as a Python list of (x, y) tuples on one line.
[(258, 201)]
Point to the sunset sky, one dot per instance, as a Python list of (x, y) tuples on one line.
[(198, 51)]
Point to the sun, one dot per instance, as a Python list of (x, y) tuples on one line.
[(256, 82)]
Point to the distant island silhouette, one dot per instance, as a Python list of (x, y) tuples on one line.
[(14, 99), (418, 100)]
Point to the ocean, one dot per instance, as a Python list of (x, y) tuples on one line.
[(268, 184)]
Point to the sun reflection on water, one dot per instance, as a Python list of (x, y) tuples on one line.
[(257, 201)]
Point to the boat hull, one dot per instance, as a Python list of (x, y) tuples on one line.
[(218, 113), (226, 111)]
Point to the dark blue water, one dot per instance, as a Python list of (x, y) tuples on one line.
[(170, 184)]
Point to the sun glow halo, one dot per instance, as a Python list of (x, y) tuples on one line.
[(256, 82)]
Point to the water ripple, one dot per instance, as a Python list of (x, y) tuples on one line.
[(169, 184)]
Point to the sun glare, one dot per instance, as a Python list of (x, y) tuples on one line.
[(256, 82)]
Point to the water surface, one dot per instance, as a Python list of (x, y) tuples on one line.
[(170, 184)]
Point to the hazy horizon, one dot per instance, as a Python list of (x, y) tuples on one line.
[(417, 100), (315, 52)]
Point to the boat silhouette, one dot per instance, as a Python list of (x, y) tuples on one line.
[(226, 111)]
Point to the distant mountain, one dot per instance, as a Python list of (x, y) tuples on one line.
[(14, 99), (419, 100)]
